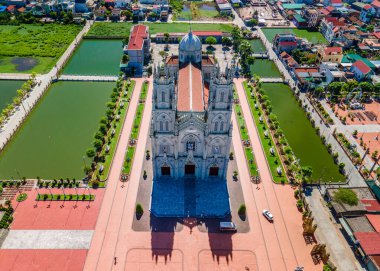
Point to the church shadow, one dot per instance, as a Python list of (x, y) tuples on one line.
[(220, 242), (162, 237)]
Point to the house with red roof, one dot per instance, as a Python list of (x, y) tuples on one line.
[(330, 54), (285, 42), (137, 49), (376, 5), (361, 70), (330, 27)]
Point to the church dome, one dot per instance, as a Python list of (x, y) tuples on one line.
[(190, 43)]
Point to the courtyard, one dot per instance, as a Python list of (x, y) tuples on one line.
[(368, 115)]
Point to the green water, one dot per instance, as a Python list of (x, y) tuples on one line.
[(265, 68), (8, 90), (314, 37), (257, 46), (301, 136), (57, 134), (96, 57)]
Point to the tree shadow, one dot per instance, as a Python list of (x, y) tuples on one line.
[(162, 237)]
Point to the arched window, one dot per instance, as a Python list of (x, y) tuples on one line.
[(163, 97), (216, 126), (221, 128), (161, 125), (166, 126), (221, 97)]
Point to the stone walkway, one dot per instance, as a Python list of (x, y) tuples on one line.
[(44, 81), (47, 239), (93, 78)]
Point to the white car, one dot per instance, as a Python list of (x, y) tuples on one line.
[(268, 215)]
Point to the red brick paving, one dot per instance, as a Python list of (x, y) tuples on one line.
[(42, 259), (29, 217), (360, 117)]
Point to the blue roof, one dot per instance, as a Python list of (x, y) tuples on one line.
[(3, 8)]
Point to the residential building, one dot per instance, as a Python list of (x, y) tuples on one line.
[(224, 7), (367, 13), (361, 70), (312, 16), (284, 42), (376, 5), (330, 28), (138, 49), (332, 72), (330, 54)]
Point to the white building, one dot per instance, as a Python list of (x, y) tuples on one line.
[(191, 126)]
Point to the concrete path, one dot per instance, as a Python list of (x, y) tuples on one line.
[(14, 76), (272, 80), (328, 233), (47, 239), (93, 78), (44, 81)]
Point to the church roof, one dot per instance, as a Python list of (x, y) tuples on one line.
[(191, 95), (190, 42)]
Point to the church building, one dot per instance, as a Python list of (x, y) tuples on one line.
[(191, 126)]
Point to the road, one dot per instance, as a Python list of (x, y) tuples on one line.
[(11, 126)]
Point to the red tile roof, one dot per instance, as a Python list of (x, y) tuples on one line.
[(11, 7), (207, 33), (362, 66), (369, 241), (330, 8), (336, 1), (190, 89), (377, 35), (330, 50), (136, 41), (371, 204), (376, 3), (375, 221), (287, 43)]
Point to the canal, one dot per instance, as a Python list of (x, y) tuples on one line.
[(55, 137), (301, 136), (265, 68), (8, 90), (96, 57)]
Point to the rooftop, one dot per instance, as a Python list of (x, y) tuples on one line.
[(359, 224), (190, 90), (369, 241), (375, 221), (139, 33), (360, 65)]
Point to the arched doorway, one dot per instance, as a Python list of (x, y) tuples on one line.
[(214, 171), (165, 171), (189, 169)]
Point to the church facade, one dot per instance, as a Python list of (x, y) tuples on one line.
[(191, 126)]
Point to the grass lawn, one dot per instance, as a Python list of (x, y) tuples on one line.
[(198, 10), (314, 37), (8, 90), (55, 137), (129, 160), (267, 142), (114, 140), (94, 57), (102, 29), (38, 46), (251, 161), (241, 122)]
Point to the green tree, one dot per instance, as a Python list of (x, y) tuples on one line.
[(346, 196), (97, 144), (90, 152), (210, 41), (125, 59), (226, 41), (306, 172)]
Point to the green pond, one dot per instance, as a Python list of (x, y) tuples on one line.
[(301, 136), (257, 46), (8, 90), (314, 37), (96, 57), (54, 139), (265, 68)]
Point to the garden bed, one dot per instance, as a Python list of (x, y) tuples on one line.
[(267, 142), (127, 167), (66, 197)]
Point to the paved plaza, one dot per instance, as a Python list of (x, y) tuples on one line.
[(188, 197)]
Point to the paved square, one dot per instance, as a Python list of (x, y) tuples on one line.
[(45, 215)]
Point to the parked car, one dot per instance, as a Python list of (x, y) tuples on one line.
[(227, 226), (268, 215)]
